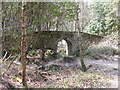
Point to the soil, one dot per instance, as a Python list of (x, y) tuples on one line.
[(106, 69)]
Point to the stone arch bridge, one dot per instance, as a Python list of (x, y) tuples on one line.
[(50, 39)]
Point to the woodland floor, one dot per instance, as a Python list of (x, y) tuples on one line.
[(103, 74)]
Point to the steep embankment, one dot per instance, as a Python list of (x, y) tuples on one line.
[(110, 41), (106, 49)]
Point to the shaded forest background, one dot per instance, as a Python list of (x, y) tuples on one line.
[(96, 18)]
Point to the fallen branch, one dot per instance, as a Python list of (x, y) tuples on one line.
[(10, 65), (8, 57), (4, 56)]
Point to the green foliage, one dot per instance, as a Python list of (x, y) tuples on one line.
[(18, 79), (11, 21), (54, 67), (31, 46), (49, 52), (33, 53), (24, 87), (39, 17), (52, 16), (104, 18), (31, 29)]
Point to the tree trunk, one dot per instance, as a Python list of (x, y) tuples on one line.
[(3, 35), (43, 54), (24, 45), (1, 46), (84, 68), (81, 44)]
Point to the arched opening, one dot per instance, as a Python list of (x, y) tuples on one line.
[(62, 47)]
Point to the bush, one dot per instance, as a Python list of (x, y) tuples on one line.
[(33, 53), (50, 54)]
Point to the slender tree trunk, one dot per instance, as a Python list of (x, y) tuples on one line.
[(1, 46), (24, 45), (43, 54), (84, 68), (3, 34), (81, 43)]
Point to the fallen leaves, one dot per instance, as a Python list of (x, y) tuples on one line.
[(63, 78)]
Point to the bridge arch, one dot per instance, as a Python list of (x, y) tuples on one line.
[(67, 45), (51, 39)]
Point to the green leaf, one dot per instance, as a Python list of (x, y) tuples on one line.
[(18, 79)]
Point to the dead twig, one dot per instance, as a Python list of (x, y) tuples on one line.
[(10, 65), (8, 57), (4, 56)]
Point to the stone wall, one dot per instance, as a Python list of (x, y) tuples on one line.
[(49, 39)]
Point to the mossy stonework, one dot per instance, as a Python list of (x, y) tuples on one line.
[(50, 39)]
